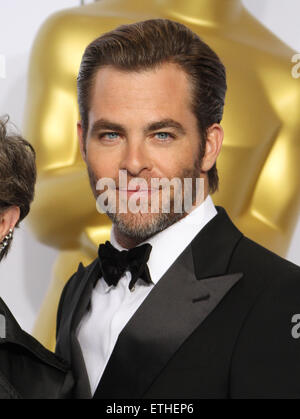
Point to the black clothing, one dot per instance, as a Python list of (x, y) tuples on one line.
[(27, 369), (217, 325)]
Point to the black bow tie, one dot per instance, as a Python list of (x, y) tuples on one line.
[(114, 263)]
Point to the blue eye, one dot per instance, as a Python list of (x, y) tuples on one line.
[(109, 135), (112, 135), (163, 135)]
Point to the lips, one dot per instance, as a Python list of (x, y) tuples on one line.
[(132, 189), (137, 190)]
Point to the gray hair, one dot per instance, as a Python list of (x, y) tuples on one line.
[(17, 172)]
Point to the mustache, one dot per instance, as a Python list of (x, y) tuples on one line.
[(125, 181), (139, 183)]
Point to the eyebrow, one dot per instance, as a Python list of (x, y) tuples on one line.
[(105, 124), (165, 123)]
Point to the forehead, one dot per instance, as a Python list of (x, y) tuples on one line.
[(165, 89)]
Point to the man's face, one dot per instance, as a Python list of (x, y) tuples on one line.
[(142, 123)]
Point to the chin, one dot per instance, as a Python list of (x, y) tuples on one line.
[(143, 226)]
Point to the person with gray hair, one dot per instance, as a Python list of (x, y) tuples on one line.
[(27, 369), (18, 176)]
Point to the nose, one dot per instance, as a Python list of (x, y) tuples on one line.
[(135, 158)]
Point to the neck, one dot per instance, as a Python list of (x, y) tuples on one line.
[(206, 12), (125, 241)]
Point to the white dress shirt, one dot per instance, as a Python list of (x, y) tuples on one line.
[(112, 307)]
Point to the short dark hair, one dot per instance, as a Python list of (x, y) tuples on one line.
[(17, 172), (148, 44)]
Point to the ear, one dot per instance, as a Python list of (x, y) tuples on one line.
[(81, 140), (213, 146), (8, 220)]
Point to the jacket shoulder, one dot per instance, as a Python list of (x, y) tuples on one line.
[(76, 279), (254, 257)]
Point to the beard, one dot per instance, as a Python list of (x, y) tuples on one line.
[(143, 225)]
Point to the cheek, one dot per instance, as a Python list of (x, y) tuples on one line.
[(103, 164), (171, 164)]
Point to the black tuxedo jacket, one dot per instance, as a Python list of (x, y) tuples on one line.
[(218, 324)]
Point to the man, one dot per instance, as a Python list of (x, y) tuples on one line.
[(194, 309)]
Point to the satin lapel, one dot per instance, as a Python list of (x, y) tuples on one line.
[(82, 389), (177, 305), (78, 303)]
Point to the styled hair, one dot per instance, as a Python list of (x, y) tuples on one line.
[(17, 173), (149, 44)]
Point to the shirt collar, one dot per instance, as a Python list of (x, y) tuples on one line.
[(168, 244)]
